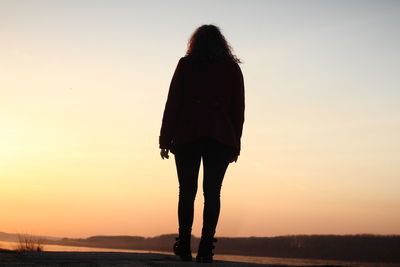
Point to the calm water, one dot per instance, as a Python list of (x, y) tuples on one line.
[(263, 260)]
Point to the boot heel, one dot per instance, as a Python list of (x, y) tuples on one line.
[(181, 248), (176, 246), (205, 254)]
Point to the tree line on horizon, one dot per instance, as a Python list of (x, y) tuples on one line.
[(361, 247)]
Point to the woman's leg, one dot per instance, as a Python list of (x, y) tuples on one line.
[(187, 159), (215, 162)]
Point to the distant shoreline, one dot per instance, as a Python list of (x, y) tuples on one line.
[(360, 248)]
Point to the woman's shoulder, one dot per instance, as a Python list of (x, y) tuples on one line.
[(185, 61), (186, 58), (189, 61)]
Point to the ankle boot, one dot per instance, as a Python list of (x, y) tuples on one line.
[(206, 246), (182, 248)]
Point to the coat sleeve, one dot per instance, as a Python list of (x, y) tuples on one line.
[(237, 107), (171, 109)]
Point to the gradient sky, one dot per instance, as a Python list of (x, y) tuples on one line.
[(83, 86)]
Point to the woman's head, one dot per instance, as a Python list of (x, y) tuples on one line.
[(208, 43)]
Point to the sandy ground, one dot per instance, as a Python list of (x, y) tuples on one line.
[(115, 259)]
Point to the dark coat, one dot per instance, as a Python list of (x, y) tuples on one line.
[(204, 99)]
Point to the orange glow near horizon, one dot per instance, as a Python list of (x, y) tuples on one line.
[(81, 102)]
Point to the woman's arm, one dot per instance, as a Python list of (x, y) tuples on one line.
[(171, 108), (238, 106)]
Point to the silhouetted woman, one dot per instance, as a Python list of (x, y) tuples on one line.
[(203, 119)]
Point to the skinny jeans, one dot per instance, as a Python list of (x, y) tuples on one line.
[(215, 156)]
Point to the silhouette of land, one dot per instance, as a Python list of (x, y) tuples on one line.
[(360, 248), (336, 247), (60, 258)]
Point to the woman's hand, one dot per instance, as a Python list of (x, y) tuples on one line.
[(164, 153)]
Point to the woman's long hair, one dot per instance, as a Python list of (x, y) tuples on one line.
[(208, 44)]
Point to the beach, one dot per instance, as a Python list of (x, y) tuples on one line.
[(56, 255), (70, 258)]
